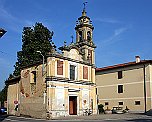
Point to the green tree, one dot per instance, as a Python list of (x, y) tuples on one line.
[(34, 39), (3, 92), (3, 95)]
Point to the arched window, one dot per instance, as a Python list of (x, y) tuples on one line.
[(89, 36), (80, 35)]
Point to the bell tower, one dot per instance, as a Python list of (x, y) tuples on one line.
[(84, 34)]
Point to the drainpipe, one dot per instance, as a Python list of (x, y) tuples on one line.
[(145, 99)]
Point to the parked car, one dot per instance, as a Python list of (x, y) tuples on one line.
[(117, 110), (3, 110)]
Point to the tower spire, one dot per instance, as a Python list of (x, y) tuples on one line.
[(84, 9), (84, 5)]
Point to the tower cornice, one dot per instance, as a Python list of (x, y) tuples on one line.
[(84, 25)]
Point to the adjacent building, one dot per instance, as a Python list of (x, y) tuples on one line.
[(12, 94), (126, 85), (64, 84)]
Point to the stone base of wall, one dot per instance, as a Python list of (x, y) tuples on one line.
[(59, 113), (62, 113), (32, 107)]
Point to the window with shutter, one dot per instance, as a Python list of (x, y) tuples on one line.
[(85, 72), (59, 67)]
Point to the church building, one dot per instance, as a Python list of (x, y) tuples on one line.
[(64, 84)]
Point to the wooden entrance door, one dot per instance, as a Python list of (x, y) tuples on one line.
[(72, 105)]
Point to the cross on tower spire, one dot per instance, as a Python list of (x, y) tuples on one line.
[(84, 5)]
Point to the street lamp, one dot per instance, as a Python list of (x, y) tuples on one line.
[(2, 32), (43, 61), (44, 100)]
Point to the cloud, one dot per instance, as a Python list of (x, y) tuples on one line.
[(117, 32), (12, 22), (107, 20), (5, 15), (115, 36)]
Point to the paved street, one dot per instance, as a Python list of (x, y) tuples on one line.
[(94, 118)]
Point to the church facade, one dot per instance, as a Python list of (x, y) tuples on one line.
[(71, 75), (65, 84)]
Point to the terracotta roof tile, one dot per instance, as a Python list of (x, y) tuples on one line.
[(122, 65)]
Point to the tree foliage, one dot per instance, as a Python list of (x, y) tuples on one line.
[(3, 95), (3, 92), (36, 38)]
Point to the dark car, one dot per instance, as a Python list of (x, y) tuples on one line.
[(3, 110)]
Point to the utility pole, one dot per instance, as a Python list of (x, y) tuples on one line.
[(145, 99), (43, 62)]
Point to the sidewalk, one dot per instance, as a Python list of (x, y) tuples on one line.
[(106, 117)]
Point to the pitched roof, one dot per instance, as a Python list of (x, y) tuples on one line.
[(122, 65)]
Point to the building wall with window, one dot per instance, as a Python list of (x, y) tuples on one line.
[(68, 79), (125, 85)]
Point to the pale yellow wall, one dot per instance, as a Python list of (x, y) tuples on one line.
[(12, 95), (66, 86), (150, 77), (93, 75), (80, 72), (51, 66), (55, 85), (133, 87), (66, 65)]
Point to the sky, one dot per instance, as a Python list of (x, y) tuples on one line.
[(123, 28)]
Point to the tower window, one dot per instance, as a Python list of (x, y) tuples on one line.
[(89, 36), (90, 56), (80, 35)]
